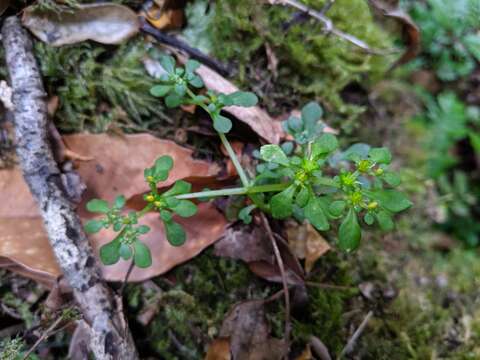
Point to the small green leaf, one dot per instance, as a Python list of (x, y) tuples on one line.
[(173, 100), (311, 113), (392, 179), (180, 187), (349, 233), (110, 252), (281, 203), (380, 155), (369, 218), (192, 65), (163, 164), (385, 221), (197, 82), (180, 89), (222, 124), (176, 235), (244, 214), (143, 229), (120, 201), (185, 208), (160, 90), (391, 200), (324, 144), (337, 207), (168, 63), (93, 226), (315, 215), (166, 215), (125, 251), (302, 197), (142, 257), (274, 153), (243, 98), (98, 206), (118, 226)]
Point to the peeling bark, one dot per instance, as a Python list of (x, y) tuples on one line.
[(109, 335)]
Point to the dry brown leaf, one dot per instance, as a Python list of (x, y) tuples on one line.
[(256, 118), (249, 333), (219, 349), (307, 243), (107, 23), (410, 29), (251, 244), (163, 18), (117, 168), (305, 355)]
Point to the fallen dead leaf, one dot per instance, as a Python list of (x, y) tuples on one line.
[(250, 244), (305, 355), (249, 334), (306, 243), (219, 349), (117, 168), (410, 29), (163, 18), (107, 23)]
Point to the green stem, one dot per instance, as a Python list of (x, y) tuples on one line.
[(231, 153), (145, 210), (233, 191)]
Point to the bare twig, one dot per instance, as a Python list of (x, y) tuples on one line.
[(327, 6), (281, 266), (69, 243), (353, 340), (328, 25), (44, 336), (163, 38)]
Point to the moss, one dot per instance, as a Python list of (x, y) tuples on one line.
[(310, 62), (99, 87)]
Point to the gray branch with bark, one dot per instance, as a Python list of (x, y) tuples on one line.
[(109, 335)]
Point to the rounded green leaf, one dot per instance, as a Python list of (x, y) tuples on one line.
[(125, 251), (160, 90), (385, 221), (93, 226), (349, 233), (98, 206), (168, 64), (337, 207), (185, 208), (180, 187), (392, 179), (281, 203), (197, 82), (273, 153), (324, 144), (380, 155), (143, 229), (192, 65), (302, 197), (166, 215), (243, 98), (110, 252), (392, 200), (173, 100), (176, 235), (222, 124), (120, 201), (369, 218), (163, 163), (142, 256), (311, 113), (315, 215)]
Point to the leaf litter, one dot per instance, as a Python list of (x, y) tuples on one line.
[(116, 168)]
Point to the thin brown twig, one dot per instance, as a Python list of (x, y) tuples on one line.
[(328, 25), (281, 266), (353, 340), (44, 336), (127, 275)]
